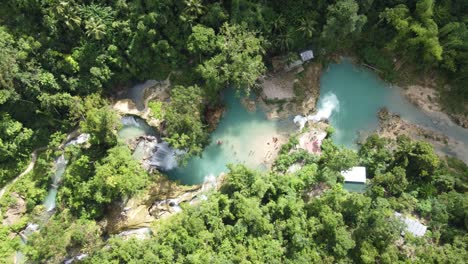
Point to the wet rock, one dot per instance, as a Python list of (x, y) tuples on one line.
[(213, 116), (249, 104), (139, 233)]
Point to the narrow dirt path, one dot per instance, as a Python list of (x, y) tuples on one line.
[(26, 171)]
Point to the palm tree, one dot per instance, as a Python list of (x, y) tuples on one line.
[(95, 28), (68, 14), (193, 9), (278, 24), (284, 41), (306, 27)]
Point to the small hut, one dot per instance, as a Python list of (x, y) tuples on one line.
[(355, 179), (307, 55)]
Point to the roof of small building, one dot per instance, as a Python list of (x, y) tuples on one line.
[(355, 174), (411, 225), (307, 55)]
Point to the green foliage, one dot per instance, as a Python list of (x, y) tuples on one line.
[(156, 109), (415, 31), (59, 58), (343, 21), (8, 246), (88, 188), (183, 118), (14, 144), (100, 121), (63, 236), (236, 59)]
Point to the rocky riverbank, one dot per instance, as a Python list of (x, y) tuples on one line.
[(162, 199), (158, 91), (290, 93), (427, 98), (392, 125)]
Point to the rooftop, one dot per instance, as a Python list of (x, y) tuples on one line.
[(355, 174), (307, 55), (411, 225)]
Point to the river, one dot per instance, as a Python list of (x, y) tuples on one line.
[(350, 95), (360, 94)]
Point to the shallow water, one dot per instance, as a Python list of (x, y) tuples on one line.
[(60, 166), (361, 94), (133, 127), (245, 137)]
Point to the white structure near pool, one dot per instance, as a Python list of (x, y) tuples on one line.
[(355, 179)]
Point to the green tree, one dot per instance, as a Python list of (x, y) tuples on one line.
[(343, 21), (98, 120), (117, 175), (237, 60), (63, 236), (416, 35), (183, 116)]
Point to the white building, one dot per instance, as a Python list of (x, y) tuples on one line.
[(355, 175), (355, 179)]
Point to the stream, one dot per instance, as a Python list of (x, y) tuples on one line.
[(60, 164)]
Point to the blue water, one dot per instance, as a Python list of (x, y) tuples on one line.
[(245, 138), (361, 94)]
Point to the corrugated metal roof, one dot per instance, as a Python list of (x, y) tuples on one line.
[(355, 174), (411, 225), (307, 55)]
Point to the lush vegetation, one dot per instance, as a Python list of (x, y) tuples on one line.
[(60, 62), (307, 217), (54, 53)]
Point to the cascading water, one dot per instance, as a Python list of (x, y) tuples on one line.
[(209, 183), (327, 106), (137, 92), (79, 139), (165, 157), (60, 166), (161, 155), (134, 127)]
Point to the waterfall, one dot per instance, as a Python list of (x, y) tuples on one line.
[(172, 203), (60, 166), (165, 157), (137, 93), (327, 106), (209, 183), (131, 121), (79, 139)]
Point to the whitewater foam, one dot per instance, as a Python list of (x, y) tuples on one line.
[(327, 106)]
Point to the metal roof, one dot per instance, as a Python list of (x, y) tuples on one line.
[(307, 55), (411, 225), (355, 174)]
